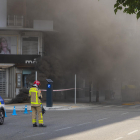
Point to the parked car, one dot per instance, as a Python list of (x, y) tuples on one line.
[(2, 111)]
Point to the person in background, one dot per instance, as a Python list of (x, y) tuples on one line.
[(36, 96), (4, 46)]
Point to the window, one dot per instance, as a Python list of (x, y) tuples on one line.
[(30, 45)]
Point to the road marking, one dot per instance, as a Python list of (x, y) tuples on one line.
[(132, 132), (35, 135), (15, 117), (97, 106), (135, 106), (102, 119), (119, 138), (119, 106), (109, 106), (74, 106), (124, 113), (83, 123), (63, 128)]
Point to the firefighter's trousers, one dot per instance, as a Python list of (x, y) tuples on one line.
[(37, 110)]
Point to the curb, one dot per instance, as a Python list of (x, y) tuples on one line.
[(49, 108), (128, 104), (131, 103)]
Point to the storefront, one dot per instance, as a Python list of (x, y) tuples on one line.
[(21, 43), (13, 72), (19, 51)]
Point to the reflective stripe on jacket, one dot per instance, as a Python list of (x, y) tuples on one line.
[(34, 93)]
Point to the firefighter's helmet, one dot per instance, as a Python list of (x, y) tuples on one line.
[(37, 83)]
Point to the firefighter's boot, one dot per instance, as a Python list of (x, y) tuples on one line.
[(42, 125), (34, 125)]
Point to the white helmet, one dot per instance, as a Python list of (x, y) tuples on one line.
[(35, 85)]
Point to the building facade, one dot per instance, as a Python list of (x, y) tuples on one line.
[(21, 44)]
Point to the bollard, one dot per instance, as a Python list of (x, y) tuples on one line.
[(14, 111), (25, 111)]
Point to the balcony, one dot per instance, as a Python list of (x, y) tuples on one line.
[(15, 21)]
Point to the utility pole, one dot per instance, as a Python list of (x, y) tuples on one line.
[(97, 92), (90, 91), (35, 75), (75, 88)]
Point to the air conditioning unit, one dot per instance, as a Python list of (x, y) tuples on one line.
[(43, 25)]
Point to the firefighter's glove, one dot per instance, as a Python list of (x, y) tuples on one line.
[(43, 110), (39, 97)]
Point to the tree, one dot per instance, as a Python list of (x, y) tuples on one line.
[(128, 6)]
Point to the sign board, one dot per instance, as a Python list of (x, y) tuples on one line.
[(19, 79), (49, 85)]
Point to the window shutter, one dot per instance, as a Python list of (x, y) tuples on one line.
[(30, 45), (2, 82)]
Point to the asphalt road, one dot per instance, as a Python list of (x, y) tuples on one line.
[(96, 123)]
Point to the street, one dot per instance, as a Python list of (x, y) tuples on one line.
[(76, 59), (100, 122)]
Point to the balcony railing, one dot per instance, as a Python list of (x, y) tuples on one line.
[(14, 20)]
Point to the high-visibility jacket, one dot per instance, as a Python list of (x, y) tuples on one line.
[(34, 94)]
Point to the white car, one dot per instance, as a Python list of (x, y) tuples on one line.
[(2, 111)]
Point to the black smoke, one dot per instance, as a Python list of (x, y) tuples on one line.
[(90, 40)]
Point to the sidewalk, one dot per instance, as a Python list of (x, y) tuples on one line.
[(56, 106), (68, 106)]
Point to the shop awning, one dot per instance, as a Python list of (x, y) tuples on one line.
[(4, 66)]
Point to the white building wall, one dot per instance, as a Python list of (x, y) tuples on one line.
[(3, 13)]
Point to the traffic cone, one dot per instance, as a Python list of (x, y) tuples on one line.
[(14, 111), (5, 114), (31, 109), (25, 111)]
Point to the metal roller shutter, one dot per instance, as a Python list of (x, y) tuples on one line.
[(2, 83)]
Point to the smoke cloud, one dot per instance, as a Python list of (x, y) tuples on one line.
[(90, 40)]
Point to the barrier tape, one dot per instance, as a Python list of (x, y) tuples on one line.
[(62, 89)]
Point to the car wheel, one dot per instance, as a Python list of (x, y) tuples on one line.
[(1, 117)]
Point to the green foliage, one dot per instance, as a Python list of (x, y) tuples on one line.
[(128, 6)]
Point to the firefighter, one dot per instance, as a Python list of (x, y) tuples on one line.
[(36, 96)]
